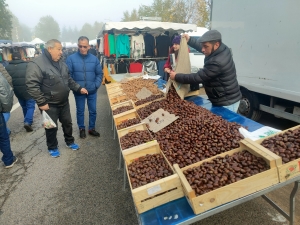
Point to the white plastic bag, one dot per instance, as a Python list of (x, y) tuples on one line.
[(48, 123)]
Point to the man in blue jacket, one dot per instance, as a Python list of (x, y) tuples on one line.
[(86, 70)]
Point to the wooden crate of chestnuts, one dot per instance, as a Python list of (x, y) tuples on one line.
[(115, 94), (117, 99), (134, 137), (126, 120), (122, 108), (152, 180), (286, 145), (227, 176), (112, 85), (113, 90)]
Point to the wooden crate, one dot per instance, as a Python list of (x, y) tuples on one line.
[(288, 170), (147, 103), (115, 94), (145, 197), (140, 126), (127, 103), (117, 99), (232, 191), (129, 115), (114, 90), (112, 85)]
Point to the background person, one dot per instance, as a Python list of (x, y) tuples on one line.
[(9, 80), (86, 70), (49, 83), (175, 50), (8, 157), (17, 70), (218, 75)]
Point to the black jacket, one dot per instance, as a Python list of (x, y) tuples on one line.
[(49, 82), (17, 71), (218, 76)]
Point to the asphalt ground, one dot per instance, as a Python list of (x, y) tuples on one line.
[(85, 186)]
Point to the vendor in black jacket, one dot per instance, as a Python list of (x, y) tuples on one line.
[(218, 75)]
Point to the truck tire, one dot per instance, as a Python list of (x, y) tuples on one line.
[(249, 105)]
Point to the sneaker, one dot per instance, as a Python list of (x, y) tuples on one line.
[(94, 133), (82, 133), (28, 127), (54, 153), (73, 146), (12, 164)]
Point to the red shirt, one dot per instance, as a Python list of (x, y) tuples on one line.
[(135, 67)]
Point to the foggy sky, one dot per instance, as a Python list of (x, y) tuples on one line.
[(72, 12)]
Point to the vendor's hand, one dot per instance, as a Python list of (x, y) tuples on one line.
[(172, 75), (186, 36), (44, 107), (83, 91), (167, 70)]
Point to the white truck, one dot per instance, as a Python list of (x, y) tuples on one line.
[(264, 38)]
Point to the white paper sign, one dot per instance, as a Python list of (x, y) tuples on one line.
[(154, 189)]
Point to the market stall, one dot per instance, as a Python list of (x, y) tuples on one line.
[(138, 46), (158, 199)]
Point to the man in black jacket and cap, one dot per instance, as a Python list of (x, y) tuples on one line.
[(17, 70), (218, 75), (48, 82)]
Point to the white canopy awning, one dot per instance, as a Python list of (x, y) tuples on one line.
[(37, 41), (147, 26)]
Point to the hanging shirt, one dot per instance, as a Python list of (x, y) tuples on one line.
[(111, 42), (162, 45), (123, 47), (106, 46), (149, 45), (149, 66), (137, 46), (30, 52), (122, 67), (100, 45), (135, 67)]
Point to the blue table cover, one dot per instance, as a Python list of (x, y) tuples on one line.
[(179, 210)]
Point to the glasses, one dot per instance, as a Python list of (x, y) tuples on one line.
[(81, 46)]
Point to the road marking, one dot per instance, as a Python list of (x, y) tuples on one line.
[(15, 106)]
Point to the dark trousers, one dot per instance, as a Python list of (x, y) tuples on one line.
[(8, 156), (63, 114)]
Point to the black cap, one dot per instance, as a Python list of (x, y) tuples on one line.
[(211, 35), (16, 55)]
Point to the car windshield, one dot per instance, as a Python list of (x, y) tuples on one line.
[(192, 50)]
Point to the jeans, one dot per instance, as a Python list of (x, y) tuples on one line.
[(63, 114), (233, 107), (8, 156), (28, 107), (6, 118), (80, 108)]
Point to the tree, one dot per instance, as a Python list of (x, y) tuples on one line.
[(182, 11), (202, 12), (64, 34), (5, 22), (47, 29), (97, 28), (87, 30)]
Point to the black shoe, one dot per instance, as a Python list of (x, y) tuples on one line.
[(28, 127), (82, 133), (94, 133)]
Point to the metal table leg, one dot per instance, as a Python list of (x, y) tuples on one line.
[(112, 122), (290, 217), (120, 160), (125, 180), (115, 131), (292, 202)]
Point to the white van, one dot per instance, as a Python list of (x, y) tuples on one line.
[(197, 58)]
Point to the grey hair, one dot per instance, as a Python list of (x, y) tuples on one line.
[(51, 43), (81, 38)]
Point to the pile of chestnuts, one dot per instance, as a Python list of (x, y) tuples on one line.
[(128, 123), (147, 169), (285, 145), (222, 171), (135, 138), (122, 109)]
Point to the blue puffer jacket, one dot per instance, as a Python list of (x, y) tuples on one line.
[(86, 71)]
